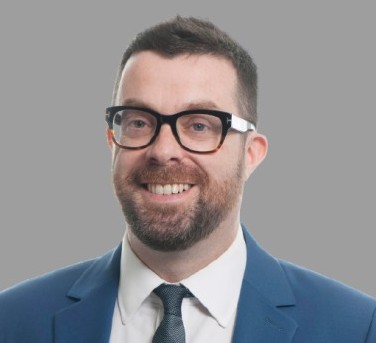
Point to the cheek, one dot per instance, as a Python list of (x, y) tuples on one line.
[(226, 166), (232, 159), (123, 161)]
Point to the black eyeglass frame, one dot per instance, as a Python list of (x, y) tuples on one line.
[(229, 121)]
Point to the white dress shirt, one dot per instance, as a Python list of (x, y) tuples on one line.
[(208, 317)]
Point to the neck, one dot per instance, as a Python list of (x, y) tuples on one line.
[(175, 266)]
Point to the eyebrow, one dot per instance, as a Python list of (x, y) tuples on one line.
[(194, 105)]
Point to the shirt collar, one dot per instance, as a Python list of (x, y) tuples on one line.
[(136, 283), (217, 286)]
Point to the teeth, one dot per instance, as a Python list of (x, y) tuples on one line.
[(168, 189), (175, 189)]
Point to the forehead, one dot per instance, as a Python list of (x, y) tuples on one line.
[(171, 84)]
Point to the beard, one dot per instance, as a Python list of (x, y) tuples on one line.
[(173, 227)]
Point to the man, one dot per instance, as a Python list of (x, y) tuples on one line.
[(182, 131)]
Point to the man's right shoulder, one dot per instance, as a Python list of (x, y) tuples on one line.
[(58, 278), (41, 294), (28, 310)]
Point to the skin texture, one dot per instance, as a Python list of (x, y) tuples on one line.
[(179, 234)]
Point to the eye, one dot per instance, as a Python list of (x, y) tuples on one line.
[(136, 120), (197, 124), (138, 124), (135, 123), (199, 127)]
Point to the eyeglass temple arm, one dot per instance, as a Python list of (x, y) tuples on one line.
[(108, 119), (241, 125)]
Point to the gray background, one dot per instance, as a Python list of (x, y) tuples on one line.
[(312, 201)]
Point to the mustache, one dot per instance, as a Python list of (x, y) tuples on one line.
[(178, 173)]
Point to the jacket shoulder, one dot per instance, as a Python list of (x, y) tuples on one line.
[(303, 278), (55, 282), (332, 305), (29, 309), (34, 301)]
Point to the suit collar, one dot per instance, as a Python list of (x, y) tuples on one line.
[(265, 274), (265, 301), (104, 272), (89, 318)]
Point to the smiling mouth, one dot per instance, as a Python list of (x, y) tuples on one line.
[(168, 189)]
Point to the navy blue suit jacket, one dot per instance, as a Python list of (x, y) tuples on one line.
[(279, 303)]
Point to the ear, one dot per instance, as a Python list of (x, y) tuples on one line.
[(110, 142), (256, 150)]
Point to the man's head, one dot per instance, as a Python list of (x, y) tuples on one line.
[(173, 198), (191, 36)]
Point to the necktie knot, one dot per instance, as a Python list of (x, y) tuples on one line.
[(171, 329), (172, 297)]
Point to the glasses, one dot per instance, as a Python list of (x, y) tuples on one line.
[(199, 131)]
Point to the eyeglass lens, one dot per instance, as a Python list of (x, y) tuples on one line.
[(198, 132)]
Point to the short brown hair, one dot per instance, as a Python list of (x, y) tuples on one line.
[(196, 36)]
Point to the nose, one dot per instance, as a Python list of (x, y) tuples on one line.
[(165, 149)]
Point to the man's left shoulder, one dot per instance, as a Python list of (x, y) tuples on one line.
[(326, 297), (323, 309), (328, 309)]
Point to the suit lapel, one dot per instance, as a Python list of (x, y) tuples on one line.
[(259, 321), (89, 318), (265, 300)]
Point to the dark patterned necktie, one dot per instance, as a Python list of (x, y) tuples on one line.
[(171, 328)]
